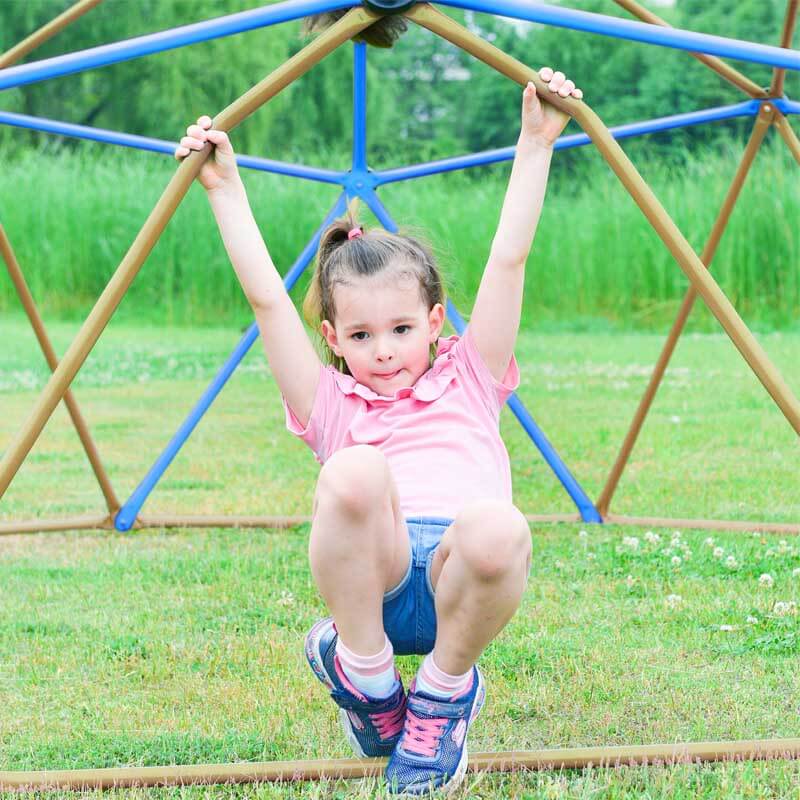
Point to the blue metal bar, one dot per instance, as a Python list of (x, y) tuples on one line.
[(126, 516), (748, 108), (637, 31), (166, 40), (585, 506), (163, 146), (360, 106), (787, 106)]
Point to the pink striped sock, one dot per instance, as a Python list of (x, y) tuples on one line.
[(372, 675), (431, 680)]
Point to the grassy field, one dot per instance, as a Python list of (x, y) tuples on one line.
[(596, 262), (162, 647)]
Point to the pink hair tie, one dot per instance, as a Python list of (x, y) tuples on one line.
[(355, 233)]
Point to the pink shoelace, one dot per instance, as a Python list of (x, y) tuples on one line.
[(389, 723), (421, 735)]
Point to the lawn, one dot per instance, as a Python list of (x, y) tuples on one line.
[(185, 646)]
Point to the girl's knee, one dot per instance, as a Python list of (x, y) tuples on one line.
[(494, 538), (355, 480)]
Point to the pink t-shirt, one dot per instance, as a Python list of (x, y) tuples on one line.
[(440, 436)]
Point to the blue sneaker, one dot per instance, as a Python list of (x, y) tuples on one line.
[(433, 751), (372, 726)]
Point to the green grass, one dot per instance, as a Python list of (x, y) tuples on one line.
[(161, 647), (596, 262)]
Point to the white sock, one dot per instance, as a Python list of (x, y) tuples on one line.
[(433, 681), (372, 675)]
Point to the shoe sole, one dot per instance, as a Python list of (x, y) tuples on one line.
[(461, 769), (314, 658)]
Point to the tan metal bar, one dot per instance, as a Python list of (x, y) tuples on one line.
[(641, 193), (702, 524), (343, 30), (26, 297), (349, 768), (788, 135), (46, 32), (720, 67), (217, 521), (779, 73), (99, 522), (87, 522), (762, 123)]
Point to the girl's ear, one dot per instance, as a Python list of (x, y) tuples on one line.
[(436, 321), (329, 334)]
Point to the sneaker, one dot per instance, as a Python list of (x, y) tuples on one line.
[(372, 726), (432, 753)]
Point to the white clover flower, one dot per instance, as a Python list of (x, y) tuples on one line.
[(629, 581), (591, 556), (731, 562), (756, 535), (652, 538), (631, 541), (752, 620), (286, 599), (784, 609), (559, 565), (726, 628), (674, 600), (676, 561), (769, 553), (709, 542), (687, 551), (674, 419), (766, 580), (676, 534), (583, 534), (718, 552), (675, 543), (796, 572), (783, 547)]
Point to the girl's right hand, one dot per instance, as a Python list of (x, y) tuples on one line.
[(220, 169)]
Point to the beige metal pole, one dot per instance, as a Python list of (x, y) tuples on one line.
[(349, 768), (348, 26), (46, 32), (85, 522), (52, 361), (720, 67), (779, 73), (703, 524), (763, 121), (687, 259), (788, 135)]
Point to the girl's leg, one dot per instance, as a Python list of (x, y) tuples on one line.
[(359, 546), (479, 572)]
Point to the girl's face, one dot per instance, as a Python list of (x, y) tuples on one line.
[(383, 331)]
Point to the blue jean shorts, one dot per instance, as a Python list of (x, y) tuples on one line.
[(409, 615)]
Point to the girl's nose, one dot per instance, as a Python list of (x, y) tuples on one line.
[(383, 352)]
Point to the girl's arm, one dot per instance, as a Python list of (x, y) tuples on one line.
[(291, 355), (494, 322)]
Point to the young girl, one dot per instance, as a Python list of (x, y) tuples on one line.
[(415, 544)]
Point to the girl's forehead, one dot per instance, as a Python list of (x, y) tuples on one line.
[(377, 297)]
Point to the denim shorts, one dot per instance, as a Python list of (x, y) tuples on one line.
[(409, 615)]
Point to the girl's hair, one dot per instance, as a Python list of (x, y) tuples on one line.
[(383, 33), (341, 259)]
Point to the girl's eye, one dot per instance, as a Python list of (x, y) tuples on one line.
[(359, 336), (402, 329)]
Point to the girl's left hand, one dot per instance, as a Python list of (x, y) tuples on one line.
[(544, 121)]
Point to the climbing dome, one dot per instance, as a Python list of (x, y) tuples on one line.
[(768, 107)]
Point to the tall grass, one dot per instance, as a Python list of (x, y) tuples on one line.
[(596, 261)]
